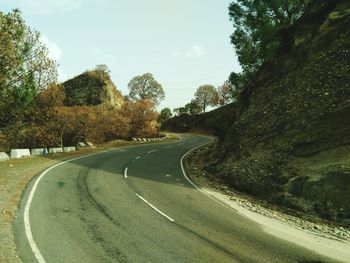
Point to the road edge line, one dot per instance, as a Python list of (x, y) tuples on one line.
[(197, 187), (155, 208), (26, 219)]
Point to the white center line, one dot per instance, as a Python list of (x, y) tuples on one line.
[(167, 147), (155, 208), (126, 172), (152, 151), (138, 157)]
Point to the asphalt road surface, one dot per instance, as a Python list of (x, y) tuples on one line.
[(134, 204)]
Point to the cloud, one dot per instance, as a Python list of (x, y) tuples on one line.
[(194, 51), (55, 52)]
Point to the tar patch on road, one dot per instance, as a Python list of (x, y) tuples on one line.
[(60, 184)]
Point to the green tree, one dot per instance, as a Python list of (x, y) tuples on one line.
[(165, 114), (180, 111), (193, 107), (206, 95), (145, 87), (25, 68), (257, 25), (237, 82)]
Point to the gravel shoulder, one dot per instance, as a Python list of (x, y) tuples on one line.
[(14, 178), (260, 211)]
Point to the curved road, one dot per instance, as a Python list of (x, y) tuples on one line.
[(133, 204)]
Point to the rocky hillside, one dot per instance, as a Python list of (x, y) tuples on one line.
[(92, 88), (213, 122), (289, 142)]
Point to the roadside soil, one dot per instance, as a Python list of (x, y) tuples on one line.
[(195, 164), (14, 177)]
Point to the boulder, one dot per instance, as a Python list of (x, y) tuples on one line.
[(55, 150), (18, 153), (38, 151), (81, 145), (69, 149), (139, 139), (144, 139), (134, 139), (89, 144), (4, 156)]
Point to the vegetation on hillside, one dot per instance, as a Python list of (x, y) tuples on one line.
[(36, 111), (287, 137)]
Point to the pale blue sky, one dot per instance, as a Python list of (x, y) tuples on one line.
[(184, 43)]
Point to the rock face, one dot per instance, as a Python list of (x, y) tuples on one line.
[(92, 88)]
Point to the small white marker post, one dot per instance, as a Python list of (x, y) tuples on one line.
[(126, 172)]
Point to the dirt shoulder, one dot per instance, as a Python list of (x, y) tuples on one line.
[(14, 178), (198, 160)]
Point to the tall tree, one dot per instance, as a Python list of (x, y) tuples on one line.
[(206, 95), (257, 24), (25, 67), (145, 87), (224, 93), (165, 114)]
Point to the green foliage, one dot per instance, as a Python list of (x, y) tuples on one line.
[(191, 108), (237, 81), (206, 95), (165, 114), (103, 71), (24, 69), (257, 24), (145, 87)]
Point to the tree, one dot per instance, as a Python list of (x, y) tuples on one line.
[(103, 70), (165, 114), (145, 87), (238, 81), (257, 24), (224, 93), (25, 68), (206, 95), (193, 107), (142, 118)]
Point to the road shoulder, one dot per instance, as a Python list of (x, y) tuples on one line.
[(329, 240)]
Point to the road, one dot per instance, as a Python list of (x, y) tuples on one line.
[(133, 204)]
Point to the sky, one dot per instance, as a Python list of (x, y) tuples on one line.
[(183, 43)]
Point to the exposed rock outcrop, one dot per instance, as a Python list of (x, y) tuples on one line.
[(92, 88)]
